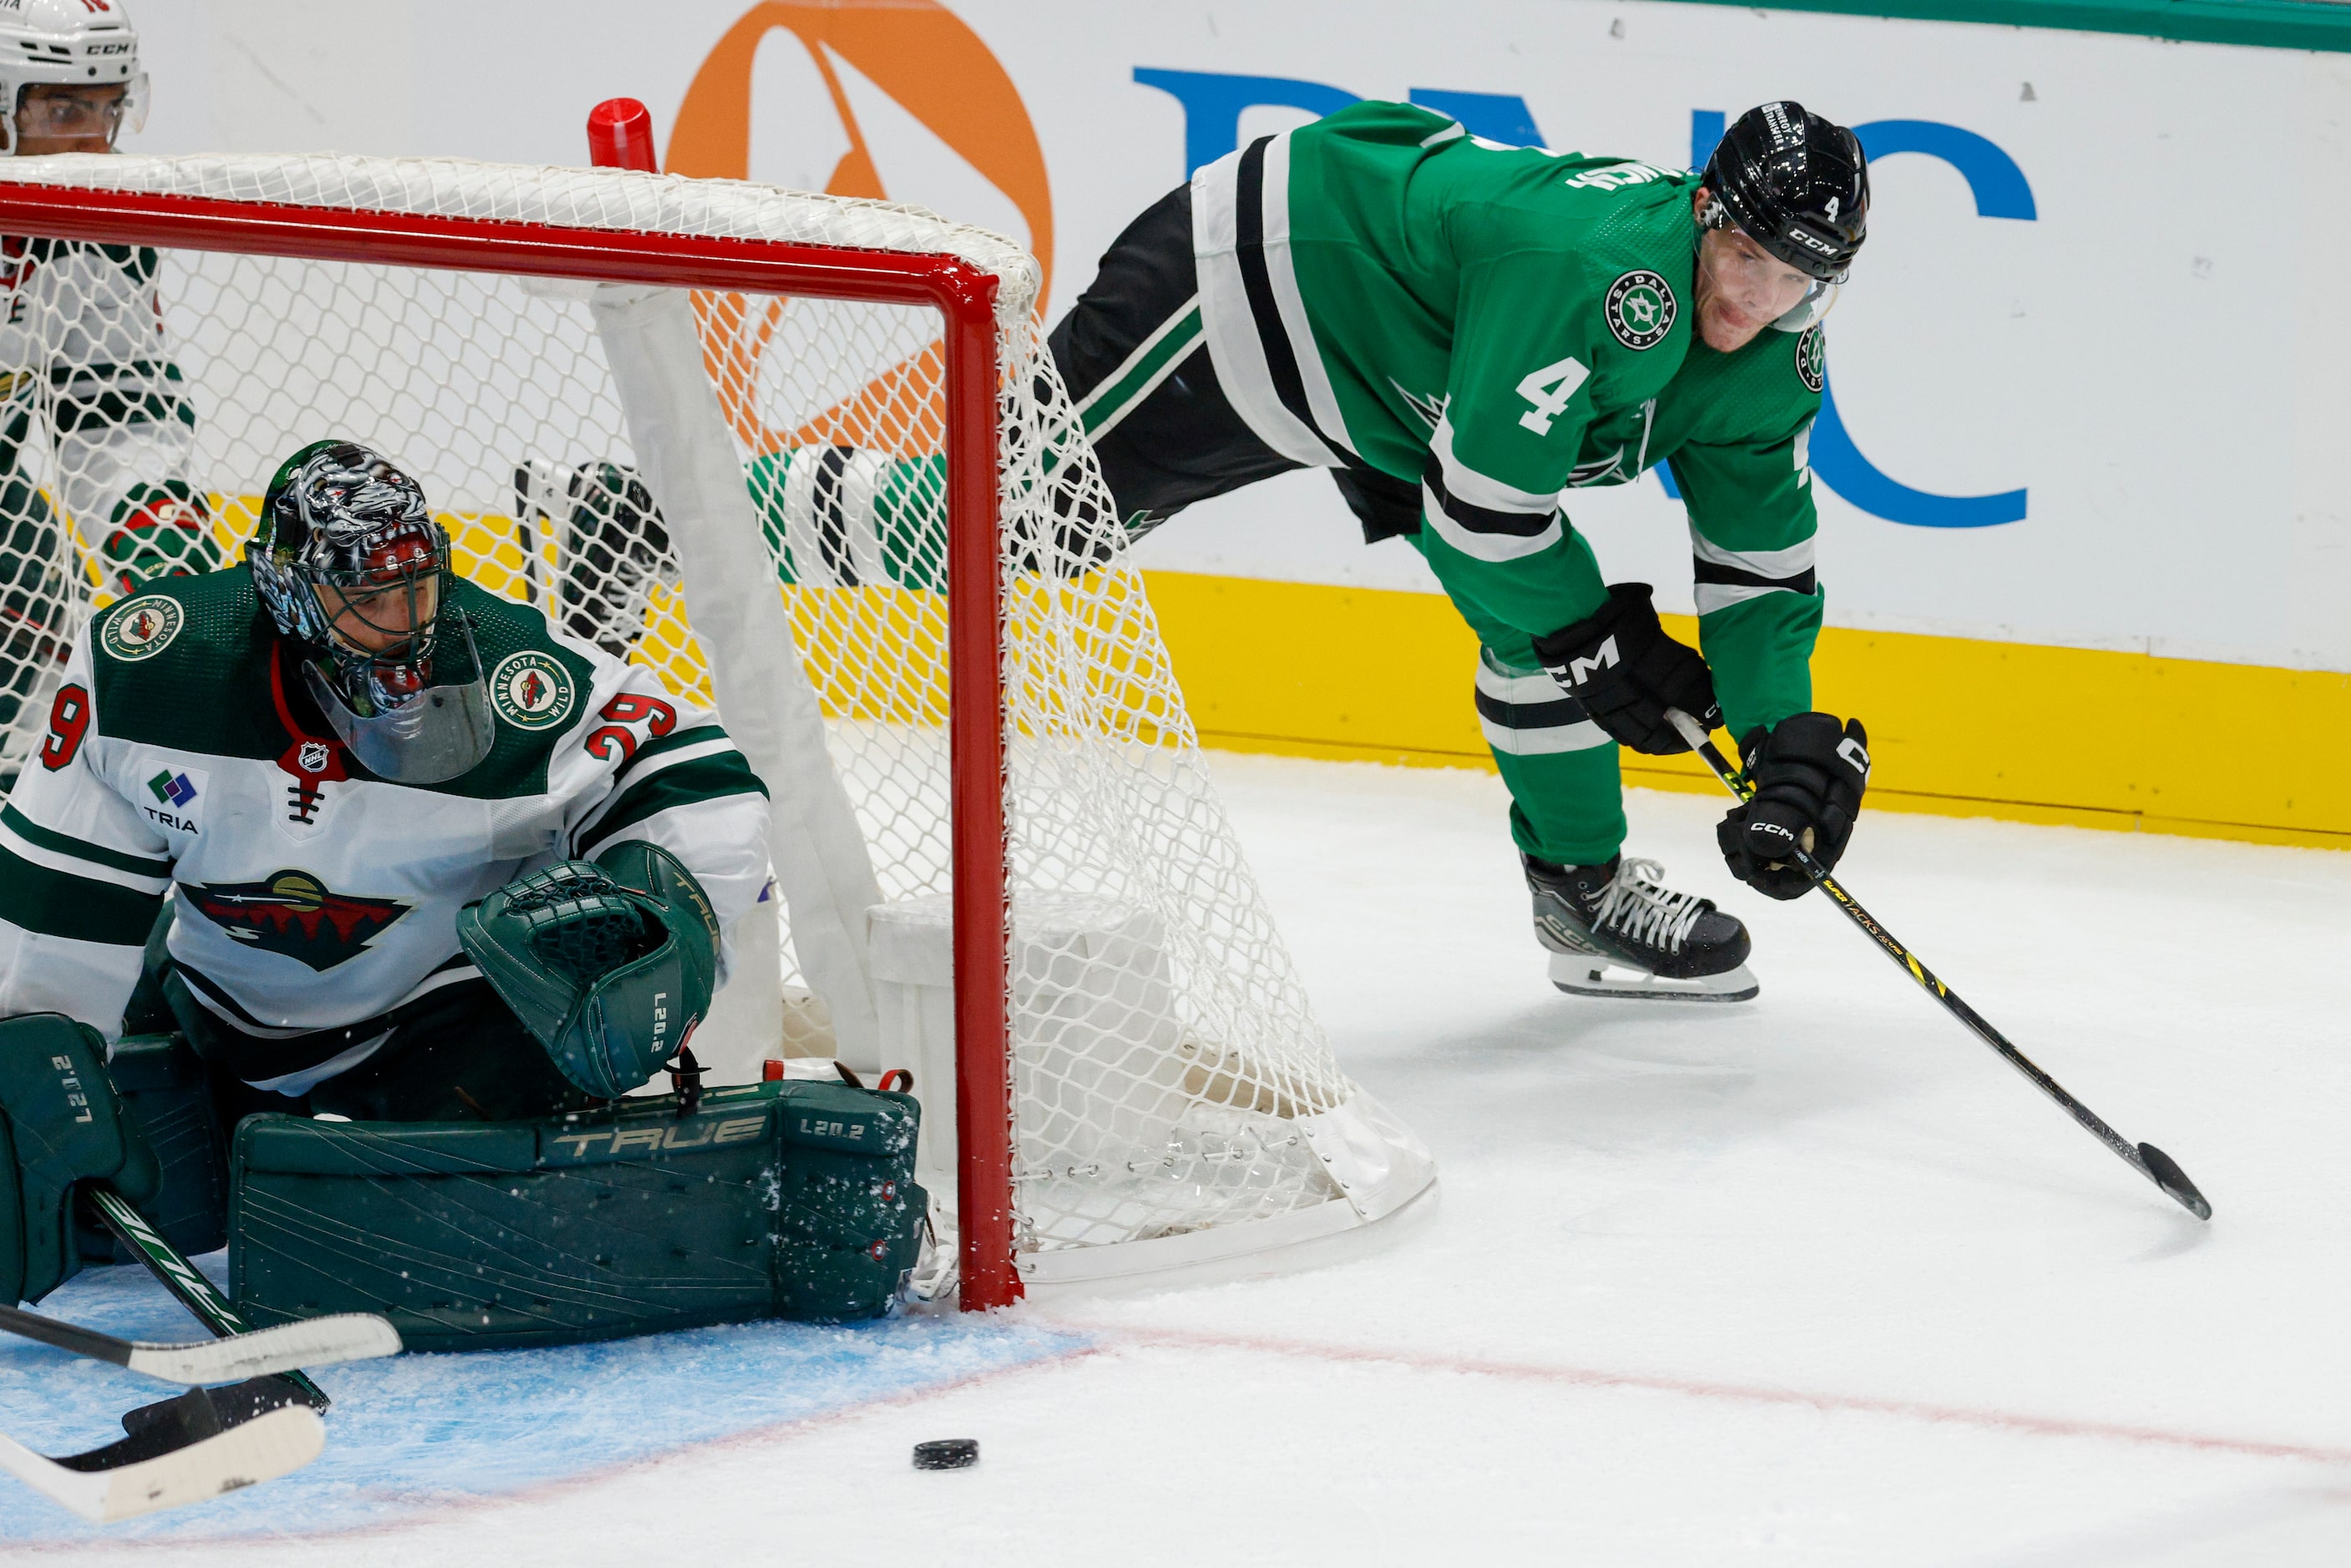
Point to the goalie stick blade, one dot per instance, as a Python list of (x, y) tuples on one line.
[(263, 1449), (201, 1412), (320, 1342), (2174, 1181)]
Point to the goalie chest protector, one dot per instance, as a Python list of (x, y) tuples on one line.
[(770, 1200)]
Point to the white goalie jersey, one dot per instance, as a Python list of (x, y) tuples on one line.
[(310, 895)]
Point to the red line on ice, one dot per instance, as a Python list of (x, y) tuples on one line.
[(1749, 1393)]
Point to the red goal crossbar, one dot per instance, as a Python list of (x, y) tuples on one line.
[(966, 298)]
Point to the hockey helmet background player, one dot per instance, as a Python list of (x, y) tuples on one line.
[(1798, 185), (349, 563), (65, 43)]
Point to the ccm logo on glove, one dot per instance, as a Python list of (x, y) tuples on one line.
[(1809, 773), (1620, 664)]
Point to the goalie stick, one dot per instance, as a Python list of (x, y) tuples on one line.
[(346, 1336), (2145, 1158), (209, 1307), (161, 1467)]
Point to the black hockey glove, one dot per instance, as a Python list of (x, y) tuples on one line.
[(1809, 773), (1621, 665)]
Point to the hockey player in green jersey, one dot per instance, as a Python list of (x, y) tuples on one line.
[(1459, 332), (323, 756)]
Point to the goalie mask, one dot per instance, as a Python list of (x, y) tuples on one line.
[(70, 44), (349, 564)]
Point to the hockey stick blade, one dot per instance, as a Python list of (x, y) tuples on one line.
[(104, 1489), (201, 1412), (320, 1342), (190, 1288), (2174, 1181), (2146, 1160)]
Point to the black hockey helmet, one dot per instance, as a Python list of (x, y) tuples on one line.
[(1796, 185)]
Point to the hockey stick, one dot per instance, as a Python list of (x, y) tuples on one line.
[(157, 1469), (347, 1336), (2145, 1158), (191, 1289)]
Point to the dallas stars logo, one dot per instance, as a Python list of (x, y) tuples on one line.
[(1431, 408), (1812, 360), (1641, 309), (294, 913), (531, 691)]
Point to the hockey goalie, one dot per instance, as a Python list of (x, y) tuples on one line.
[(451, 882)]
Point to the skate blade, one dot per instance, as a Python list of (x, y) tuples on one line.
[(1586, 974)]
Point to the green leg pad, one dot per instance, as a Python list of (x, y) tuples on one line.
[(166, 1097), (793, 1199)]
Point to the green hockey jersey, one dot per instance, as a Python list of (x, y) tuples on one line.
[(1499, 325), (181, 753)]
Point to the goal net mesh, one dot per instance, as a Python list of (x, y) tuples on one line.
[(1164, 1051)]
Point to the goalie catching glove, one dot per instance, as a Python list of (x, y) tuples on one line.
[(1621, 665), (610, 962), (1809, 773)]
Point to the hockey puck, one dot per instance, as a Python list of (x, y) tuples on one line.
[(948, 1454)]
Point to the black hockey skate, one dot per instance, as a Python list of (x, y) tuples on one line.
[(1613, 930)]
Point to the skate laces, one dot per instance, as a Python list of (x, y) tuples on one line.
[(1637, 903)]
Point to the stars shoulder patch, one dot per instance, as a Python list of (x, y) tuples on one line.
[(1812, 360), (1641, 308)]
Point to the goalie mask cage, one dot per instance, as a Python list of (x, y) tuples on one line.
[(807, 458)]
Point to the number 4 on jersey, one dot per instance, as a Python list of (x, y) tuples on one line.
[(1549, 389)]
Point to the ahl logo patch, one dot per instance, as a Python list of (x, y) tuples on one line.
[(294, 913), (1812, 360), (1641, 309), (531, 691), (142, 628)]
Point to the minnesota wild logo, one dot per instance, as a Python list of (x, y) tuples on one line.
[(1812, 360), (531, 691), (1641, 309), (294, 913), (142, 628)]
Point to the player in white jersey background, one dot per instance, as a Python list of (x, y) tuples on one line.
[(95, 434)]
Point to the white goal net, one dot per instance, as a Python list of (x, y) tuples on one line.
[(1172, 1095)]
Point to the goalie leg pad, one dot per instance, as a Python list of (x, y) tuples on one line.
[(168, 1096), (792, 1200)]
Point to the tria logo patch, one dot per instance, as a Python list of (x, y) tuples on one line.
[(177, 791), (531, 691), (294, 913), (142, 628)]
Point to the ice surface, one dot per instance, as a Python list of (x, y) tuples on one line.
[(1815, 1280)]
